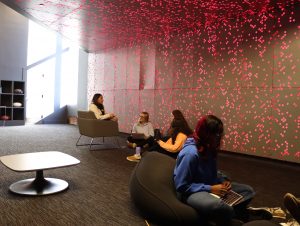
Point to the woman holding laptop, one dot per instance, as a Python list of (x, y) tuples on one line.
[(198, 183), (142, 133), (172, 143)]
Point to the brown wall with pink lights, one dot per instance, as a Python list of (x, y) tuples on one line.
[(246, 73)]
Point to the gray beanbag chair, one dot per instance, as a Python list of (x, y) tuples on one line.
[(153, 193)]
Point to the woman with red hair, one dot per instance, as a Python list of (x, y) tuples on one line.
[(198, 184)]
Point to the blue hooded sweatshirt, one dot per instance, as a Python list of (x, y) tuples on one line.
[(194, 172)]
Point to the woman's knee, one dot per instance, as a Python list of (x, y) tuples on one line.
[(210, 207), (130, 139), (206, 203), (245, 190)]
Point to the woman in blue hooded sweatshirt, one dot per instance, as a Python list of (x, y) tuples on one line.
[(196, 178)]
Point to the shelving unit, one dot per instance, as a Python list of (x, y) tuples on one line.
[(13, 93)]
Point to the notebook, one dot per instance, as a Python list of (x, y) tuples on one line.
[(139, 136), (231, 198)]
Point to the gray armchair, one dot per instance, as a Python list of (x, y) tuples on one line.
[(91, 127)]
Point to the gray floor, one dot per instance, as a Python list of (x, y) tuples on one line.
[(98, 187)]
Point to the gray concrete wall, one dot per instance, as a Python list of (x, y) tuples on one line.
[(13, 44)]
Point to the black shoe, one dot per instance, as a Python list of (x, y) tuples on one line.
[(258, 214)]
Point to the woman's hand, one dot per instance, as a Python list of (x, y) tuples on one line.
[(227, 185), (219, 189)]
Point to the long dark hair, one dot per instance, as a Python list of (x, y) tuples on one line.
[(179, 125), (176, 127), (179, 119), (178, 114), (208, 134), (95, 101)]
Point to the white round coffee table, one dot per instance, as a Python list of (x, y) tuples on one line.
[(38, 161)]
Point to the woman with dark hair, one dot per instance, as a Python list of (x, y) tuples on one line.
[(177, 115), (198, 183), (176, 136), (97, 107)]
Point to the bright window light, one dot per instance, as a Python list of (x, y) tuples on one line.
[(41, 43), (52, 69), (69, 74)]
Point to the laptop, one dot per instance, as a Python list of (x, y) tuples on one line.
[(231, 198), (138, 136)]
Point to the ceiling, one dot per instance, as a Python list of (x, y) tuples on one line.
[(101, 24)]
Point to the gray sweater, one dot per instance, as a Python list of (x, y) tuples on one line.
[(145, 128)]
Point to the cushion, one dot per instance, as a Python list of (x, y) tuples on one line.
[(5, 117), (153, 192)]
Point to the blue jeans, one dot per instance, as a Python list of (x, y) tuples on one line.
[(214, 209)]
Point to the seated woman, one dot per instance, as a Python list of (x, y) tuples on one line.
[(178, 115), (197, 182), (177, 134), (143, 126), (97, 107)]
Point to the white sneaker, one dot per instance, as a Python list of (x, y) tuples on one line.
[(276, 212), (134, 158), (291, 222)]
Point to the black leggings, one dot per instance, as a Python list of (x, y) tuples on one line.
[(141, 142)]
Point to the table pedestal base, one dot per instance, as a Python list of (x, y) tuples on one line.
[(39, 185)]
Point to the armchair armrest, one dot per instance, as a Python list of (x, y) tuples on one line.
[(97, 128)]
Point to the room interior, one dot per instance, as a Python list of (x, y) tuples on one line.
[(236, 59)]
